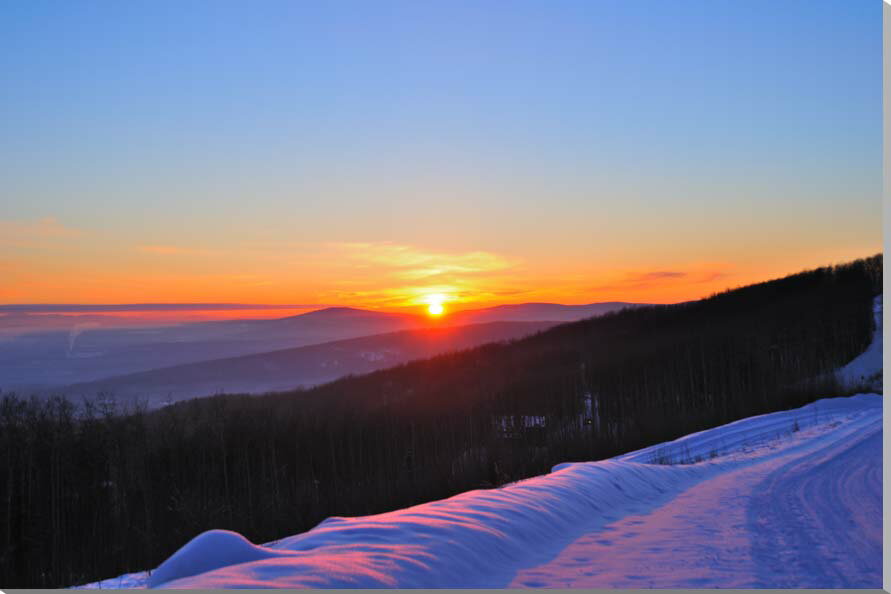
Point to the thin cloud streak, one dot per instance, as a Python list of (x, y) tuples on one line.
[(649, 280), (145, 307), (35, 233), (414, 263), (171, 250), (413, 273)]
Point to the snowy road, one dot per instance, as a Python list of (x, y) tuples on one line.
[(828, 504), (807, 518)]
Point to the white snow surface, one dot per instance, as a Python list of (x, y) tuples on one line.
[(866, 369), (782, 500)]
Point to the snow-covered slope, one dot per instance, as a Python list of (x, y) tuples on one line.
[(866, 369)]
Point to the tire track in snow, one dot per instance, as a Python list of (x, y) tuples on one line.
[(816, 521)]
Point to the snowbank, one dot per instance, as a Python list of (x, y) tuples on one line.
[(752, 431)]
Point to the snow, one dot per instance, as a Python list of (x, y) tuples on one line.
[(788, 499), (207, 551), (866, 369), (744, 434)]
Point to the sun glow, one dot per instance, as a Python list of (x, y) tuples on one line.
[(434, 305)]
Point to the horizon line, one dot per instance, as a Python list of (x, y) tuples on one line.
[(185, 307)]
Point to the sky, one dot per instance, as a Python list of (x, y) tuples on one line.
[(372, 154)]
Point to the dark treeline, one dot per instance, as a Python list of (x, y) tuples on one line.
[(90, 491)]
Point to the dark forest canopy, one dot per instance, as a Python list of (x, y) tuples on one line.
[(91, 491)]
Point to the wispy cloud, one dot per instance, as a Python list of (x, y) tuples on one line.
[(146, 307), (413, 263), (35, 233), (661, 274), (642, 280), (171, 250), (412, 273)]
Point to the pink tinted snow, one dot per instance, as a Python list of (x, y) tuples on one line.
[(475, 539)]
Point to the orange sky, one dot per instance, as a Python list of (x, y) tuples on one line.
[(47, 262)]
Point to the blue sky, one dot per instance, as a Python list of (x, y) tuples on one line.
[(613, 137)]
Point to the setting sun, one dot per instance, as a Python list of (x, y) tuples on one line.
[(434, 305)]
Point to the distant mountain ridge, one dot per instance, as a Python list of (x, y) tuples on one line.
[(86, 353), (302, 366)]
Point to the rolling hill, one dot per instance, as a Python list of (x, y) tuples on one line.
[(45, 361), (298, 367)]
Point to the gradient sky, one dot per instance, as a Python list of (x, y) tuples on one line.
[(372, 153)]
